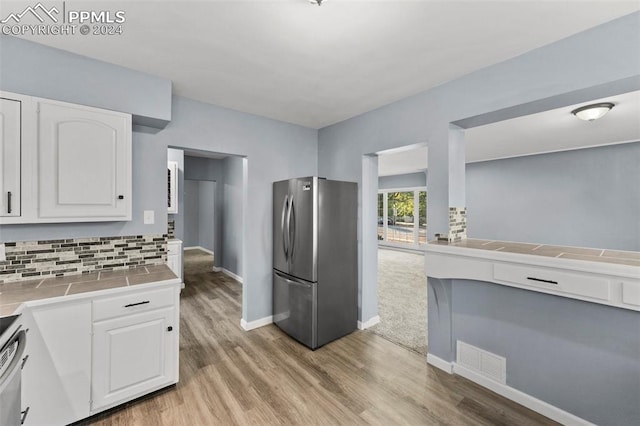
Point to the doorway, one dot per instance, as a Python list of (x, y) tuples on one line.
[(199, 228), (209, 218), (401, 291)]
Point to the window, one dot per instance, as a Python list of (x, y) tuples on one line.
[(400, 213), (402, 217)]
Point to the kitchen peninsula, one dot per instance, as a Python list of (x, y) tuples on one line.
[(538, 322)]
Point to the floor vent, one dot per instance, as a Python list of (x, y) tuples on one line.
[(482, 362)]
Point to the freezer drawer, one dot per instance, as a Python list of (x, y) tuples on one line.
[(295, 308)]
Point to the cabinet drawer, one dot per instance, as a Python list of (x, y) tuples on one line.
[(561, 282), (631, 293), (132, 303)]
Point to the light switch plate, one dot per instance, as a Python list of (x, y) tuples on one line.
[(149, 217), (3, 253)]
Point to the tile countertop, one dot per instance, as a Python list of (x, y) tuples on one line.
[(13, 294), (629, 258)]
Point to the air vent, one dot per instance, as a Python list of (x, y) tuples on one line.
[(485, 363)]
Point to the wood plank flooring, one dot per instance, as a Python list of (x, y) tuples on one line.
[(262, 377)]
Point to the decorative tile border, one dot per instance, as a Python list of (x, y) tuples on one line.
[(171, 229), (457, 225), (57, 258)]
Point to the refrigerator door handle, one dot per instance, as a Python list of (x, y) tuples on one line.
[(285, 247), (292, 236), (291, 280)]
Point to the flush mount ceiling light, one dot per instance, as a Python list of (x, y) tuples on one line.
[(592, 112)]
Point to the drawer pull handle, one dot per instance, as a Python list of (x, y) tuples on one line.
[(24, 361), (136, 304), (24, 415), (9, 202), (542, 281)]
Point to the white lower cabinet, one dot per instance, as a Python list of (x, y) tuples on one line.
[(56, 376), (93, 353), (133, 355)]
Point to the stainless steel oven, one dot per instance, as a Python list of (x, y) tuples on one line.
[(13, 340)]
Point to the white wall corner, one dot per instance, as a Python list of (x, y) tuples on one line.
[(440, 363), (369, 323), (246, 326)]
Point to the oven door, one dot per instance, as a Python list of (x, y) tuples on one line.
[(10, 379)]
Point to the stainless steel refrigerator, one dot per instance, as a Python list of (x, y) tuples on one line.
[(315, 259)]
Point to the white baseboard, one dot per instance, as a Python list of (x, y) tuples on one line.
[(440, 363), (199, 248), (521, 398), (255, 324), (217, 269), (369, 323), (232, 275)]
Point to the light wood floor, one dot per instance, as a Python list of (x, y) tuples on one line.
[(229, 376)]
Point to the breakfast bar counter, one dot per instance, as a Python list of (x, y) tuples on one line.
[(610, 277)]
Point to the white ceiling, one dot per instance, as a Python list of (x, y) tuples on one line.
[(405, 161), (555, 130), (293, 61), (548, 131)]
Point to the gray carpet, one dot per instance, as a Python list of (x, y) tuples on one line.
[(402, 299)]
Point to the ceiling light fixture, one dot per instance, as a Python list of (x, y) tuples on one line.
[(318, 2), (592, 112)]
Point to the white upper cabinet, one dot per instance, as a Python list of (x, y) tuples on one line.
[(10, 157), (63, 162), (85, 162)]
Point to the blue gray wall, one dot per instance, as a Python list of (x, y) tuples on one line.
[(199, 215), (274, 151), (587, 198), (604, 57), (409, 180), (232, 214), (578, 356), (37, 70)]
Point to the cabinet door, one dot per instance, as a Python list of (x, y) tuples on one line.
[(84, 163), (56, 375), (133, 355), (10, 157)]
